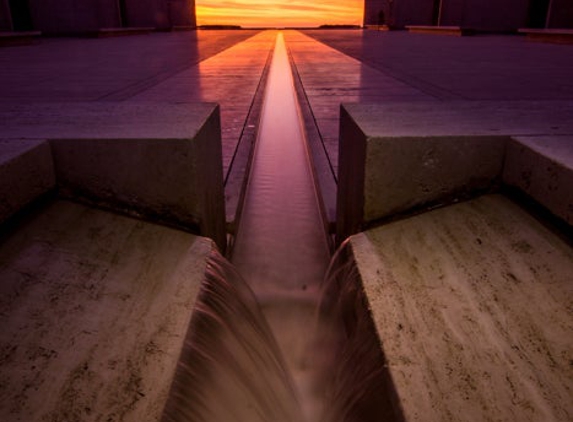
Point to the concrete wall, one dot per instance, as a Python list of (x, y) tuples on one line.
[(561, 14), (491, 15), (152, 13), (182, 13), (5, 19), (372, 9), (70, 16), (412, 12)]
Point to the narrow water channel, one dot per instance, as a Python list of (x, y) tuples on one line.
[(281, 249)]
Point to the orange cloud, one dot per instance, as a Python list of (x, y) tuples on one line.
[(279, 12)]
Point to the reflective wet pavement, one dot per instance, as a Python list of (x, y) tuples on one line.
[(334, 66)]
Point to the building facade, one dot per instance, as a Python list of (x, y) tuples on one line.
[(489, 15), (75, 17)]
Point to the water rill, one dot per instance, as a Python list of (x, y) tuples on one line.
[(281, 248), (230, 367), (282, 345)]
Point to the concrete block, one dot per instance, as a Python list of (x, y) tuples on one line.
[(396, 159), (382, 176), (94, 310), (472, 307), (26, 172), (158, 161), (542, 167)]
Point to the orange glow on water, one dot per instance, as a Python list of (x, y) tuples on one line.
[(279, 13)]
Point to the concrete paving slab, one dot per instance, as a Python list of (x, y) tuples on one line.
[(26, 173), (472, 307), (113, 69), (473, 68), (94, 309)]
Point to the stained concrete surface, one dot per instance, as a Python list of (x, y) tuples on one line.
[(472, 306), (94, 308)]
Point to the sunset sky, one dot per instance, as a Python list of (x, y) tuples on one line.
[(278, 12)]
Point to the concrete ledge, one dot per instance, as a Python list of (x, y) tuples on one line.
[(440, 30), (471, 305), (19, 38), (542, 167), (26, 172), (120, 32), (559, 36), (159, 162), (94, 309), (390, 166)]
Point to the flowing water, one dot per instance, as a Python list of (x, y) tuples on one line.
[(285, 347), (358, 386), (281, 248), (230, 368)]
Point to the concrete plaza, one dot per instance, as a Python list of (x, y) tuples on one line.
[(494, 266)]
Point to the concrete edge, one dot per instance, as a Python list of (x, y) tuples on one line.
[(546, 180), (324, 176), (26, 173), (237, 176), (557, 36), (184, 182), (440, 30)]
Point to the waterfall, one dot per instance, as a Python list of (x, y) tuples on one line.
[(359, 387), (230, 368)]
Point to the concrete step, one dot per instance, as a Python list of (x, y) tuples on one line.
[(19, 38), (440, 30), (559, 36)]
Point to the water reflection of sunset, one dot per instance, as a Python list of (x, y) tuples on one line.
[(253, 13)]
